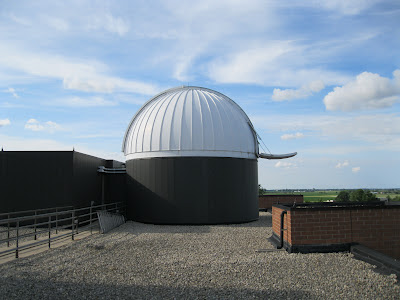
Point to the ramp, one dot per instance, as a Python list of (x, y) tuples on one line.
[(109, 221)]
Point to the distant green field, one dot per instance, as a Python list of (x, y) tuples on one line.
[(317, 196), (320, 196)]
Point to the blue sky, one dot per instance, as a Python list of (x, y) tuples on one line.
[(318, 77)]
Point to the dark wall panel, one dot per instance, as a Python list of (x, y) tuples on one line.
[(31, 180), (43, 179), (86, 180), (192, 190), (115, 188)]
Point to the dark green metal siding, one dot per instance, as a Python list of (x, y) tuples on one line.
[(192, 190)]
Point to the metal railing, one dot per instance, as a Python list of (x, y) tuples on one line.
[(26, 213), (62, 221)]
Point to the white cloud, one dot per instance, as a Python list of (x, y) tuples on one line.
[(367, 91), (56, 23), (181, 68), (19, 20), (355, 169), (297, 135), (109, 23), (52, 126), (303, 92), (277, 63), (12, 92), (342, 165), (82, 102), (4, 122), (377, 131), (107, 84), (346, 7), (12, 143), (83, 75), (35, 125), (285, 165)]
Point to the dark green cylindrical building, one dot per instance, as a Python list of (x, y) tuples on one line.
[(191, 158)]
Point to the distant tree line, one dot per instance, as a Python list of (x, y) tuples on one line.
[(261, 190), (396, 198), (356, 196)]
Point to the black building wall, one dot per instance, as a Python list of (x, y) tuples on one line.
[(192, 190), (115, 188), (43, 179), (86, 181), (31, 180)]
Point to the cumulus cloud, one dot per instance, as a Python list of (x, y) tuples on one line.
[(285, 165), (367, 91), (342, 165), (4, 122), (355, 169), (297, 135), (35, 125), (11, 91), (303, 92)]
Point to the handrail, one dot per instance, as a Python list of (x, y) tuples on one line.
[(25, 218), (75, 218), (283, 213), (33, 210)]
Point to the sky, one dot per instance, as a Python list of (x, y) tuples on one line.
[(318, 77)]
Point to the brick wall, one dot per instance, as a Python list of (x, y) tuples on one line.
[(266, 201), (276, 222), (377, 228)]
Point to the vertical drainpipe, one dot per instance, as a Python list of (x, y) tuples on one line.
[(283, 213)]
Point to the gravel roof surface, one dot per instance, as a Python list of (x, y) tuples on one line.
[(142, 261)]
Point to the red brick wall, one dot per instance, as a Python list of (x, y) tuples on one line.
[(266, 201), (376, 228), (276, 222)]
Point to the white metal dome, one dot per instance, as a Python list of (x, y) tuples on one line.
[(190, 121)]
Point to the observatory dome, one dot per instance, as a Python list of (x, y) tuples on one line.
[(190, 121)]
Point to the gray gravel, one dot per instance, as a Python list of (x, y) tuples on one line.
[(142, 261)]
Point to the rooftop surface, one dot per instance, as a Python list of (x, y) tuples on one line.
[(142, 261)]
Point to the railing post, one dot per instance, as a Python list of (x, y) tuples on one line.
[(17, 242), (35, 238), (283, 213), (56, 220), (73, 223), (8, 231), (98, 220), (77, 224), (90, 222), (49, 229)]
